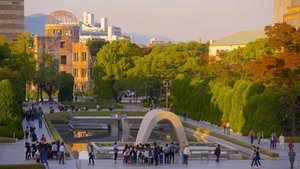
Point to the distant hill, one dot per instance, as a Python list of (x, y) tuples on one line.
[(36, 24)]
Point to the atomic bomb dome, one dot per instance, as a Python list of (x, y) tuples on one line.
[(62, 18)]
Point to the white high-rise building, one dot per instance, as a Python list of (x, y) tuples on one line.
[(104, 24), (88, 18), (94, 30)]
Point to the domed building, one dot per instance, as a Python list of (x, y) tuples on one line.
[(62, 23), (61, 40)]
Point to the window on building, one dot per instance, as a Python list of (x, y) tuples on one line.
[(75, 72), (83, 72), (62, 44), (83, 56), (75, 56), (63, 59)]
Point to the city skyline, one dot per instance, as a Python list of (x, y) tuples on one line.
[(178, 20)]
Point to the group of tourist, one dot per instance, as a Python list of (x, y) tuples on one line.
[(153, 154), (37, 148)]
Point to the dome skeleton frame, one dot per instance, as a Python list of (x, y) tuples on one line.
[(61, 17)]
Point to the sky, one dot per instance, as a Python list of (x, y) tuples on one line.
[(180, 20)]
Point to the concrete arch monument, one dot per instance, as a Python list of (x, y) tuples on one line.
[(155, 116)]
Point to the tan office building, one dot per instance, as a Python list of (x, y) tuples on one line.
[(82, 64), (11, 18), (287, 11)]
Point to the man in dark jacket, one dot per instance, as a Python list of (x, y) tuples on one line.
[(218, 153), (292, 156)]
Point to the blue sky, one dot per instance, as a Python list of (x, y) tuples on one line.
[(181, 20)]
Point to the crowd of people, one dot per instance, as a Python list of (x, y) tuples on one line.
[(38, 148), (153, 154)]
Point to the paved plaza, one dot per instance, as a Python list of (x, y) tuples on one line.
[(194, 164)]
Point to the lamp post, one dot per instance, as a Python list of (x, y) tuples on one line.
[(167, 84)]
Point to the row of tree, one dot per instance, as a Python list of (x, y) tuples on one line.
[(19, 70), (254, 88)]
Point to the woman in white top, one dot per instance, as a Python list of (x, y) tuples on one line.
[(187, 153), (62, 153), (281, 141)]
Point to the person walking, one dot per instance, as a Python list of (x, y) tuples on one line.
[(281, 141), (218, 153), (172, 153), (291, 143), (37, 156), (27, 130), (44, 158), (275, 141), (259, 137), (187, 153), (40, 117), (156, 153), (116, 150), (177, 153), (224, 127), (292, 156), (228, 128), (91, 155), (62, 153), (166, 153), (27, 151), (253, 157), (257, 157), (272, 141), (251, 135), (43, 139), (161, 156)]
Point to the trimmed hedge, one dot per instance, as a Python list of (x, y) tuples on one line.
[(23, 166), (246, 105), (7, 140), (229, 139)]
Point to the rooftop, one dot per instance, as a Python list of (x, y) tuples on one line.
[(240, 38)]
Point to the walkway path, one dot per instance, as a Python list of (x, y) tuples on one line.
[(193, 164), (264, 143), (15, 153)]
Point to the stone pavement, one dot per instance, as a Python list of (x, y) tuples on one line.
[(193, 164)]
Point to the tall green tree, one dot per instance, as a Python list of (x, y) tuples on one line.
[(95, 45), (65, 89), (47, 75), (113, 62), (7, 104)]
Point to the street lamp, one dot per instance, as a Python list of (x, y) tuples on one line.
[(167, 84)]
